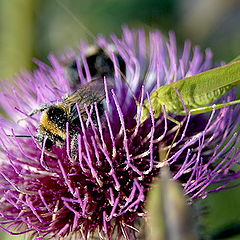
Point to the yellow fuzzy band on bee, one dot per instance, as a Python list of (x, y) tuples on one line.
[(51, 127)]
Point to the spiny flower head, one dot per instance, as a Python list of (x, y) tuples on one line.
[(101, 192)]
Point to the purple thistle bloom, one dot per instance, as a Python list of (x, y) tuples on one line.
[(102, 192)]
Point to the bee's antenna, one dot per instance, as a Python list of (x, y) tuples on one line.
[(27, 136)]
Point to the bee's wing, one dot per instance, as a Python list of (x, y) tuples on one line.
[(88, 94)]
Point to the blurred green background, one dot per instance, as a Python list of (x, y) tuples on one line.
[(35, 28)]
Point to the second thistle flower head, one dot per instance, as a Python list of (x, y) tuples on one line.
[(97, 161)]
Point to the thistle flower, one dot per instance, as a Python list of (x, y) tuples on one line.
[(102, 192)]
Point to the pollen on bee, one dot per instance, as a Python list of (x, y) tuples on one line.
[(48, 125)]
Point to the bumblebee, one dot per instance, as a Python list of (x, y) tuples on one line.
[(99, 63), (54, 118)]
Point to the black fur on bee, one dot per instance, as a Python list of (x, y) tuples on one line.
[(54, 118), (99, 64)]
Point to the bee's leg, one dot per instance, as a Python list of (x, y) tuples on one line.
[(74, 146), (45, 165), (39, 109)]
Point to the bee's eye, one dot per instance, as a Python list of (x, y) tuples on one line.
[(73, 65), (48, 144)]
